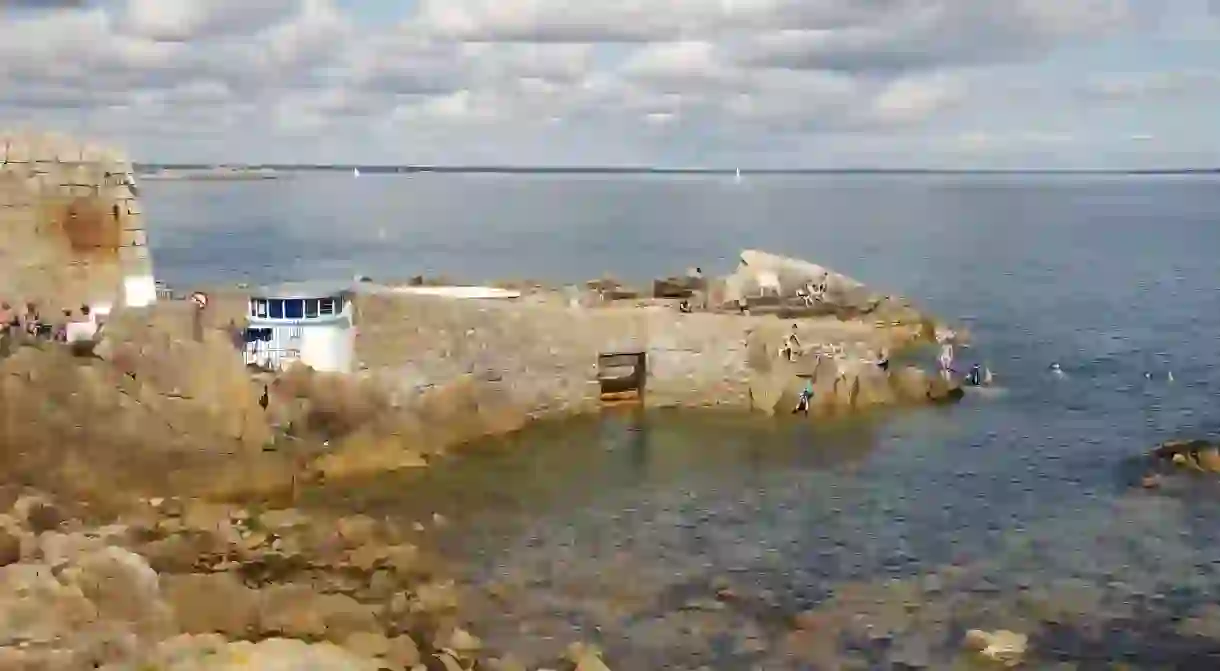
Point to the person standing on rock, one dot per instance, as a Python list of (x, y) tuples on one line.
[(946, 359), (792, 345), (802, 404)]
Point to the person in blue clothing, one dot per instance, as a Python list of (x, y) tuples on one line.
[(802, 404), (975, 377)]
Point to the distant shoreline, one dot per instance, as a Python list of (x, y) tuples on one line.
[(228, 174), (193, 171)]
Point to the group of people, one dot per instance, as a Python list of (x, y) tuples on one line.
[(29, 323), (977, 376)]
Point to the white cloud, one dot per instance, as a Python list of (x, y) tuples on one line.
[(910, 34), (615, 74), (1134, 85), (913, 100), (183, 20)]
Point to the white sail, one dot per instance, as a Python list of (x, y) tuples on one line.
[(355, 172)]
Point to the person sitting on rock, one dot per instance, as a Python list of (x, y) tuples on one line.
[(802, 403), (883, 362), (32, 321), (61, 331), (818, 289), (684, 307)]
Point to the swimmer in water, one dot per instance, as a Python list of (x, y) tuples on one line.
[(1056, 369)]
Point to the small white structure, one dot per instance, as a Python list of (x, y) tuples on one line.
[(139, 291), (307, 322)]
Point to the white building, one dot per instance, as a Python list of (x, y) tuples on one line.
[(307, 322)]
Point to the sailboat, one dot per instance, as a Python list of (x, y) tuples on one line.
[(355, 172), (737, 176)]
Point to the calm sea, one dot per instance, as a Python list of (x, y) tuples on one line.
[(1112, 277)]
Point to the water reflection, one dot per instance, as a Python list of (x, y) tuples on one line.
[(556, 468)]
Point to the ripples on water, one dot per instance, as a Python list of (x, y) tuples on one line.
[(1110, 277)]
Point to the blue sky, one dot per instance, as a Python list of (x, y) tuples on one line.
[(712, 83)]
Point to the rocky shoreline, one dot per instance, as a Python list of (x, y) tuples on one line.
[(152, 482), (171, 541)]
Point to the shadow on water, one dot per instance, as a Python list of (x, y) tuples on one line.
[(566, 465)]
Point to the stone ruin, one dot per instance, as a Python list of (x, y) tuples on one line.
[(71, 228)]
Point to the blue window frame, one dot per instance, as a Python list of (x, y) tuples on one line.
[(277, 308), (294, 308)]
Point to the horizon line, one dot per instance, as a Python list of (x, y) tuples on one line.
[(472, 168)]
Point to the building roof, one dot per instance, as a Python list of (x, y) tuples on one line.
[(309, 289)]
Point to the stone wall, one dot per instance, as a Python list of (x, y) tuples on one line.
[(71, 228), (545, 356)]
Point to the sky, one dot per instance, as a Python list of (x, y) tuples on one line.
[(672, 83)]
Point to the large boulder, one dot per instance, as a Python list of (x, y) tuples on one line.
[(78, 607), (214, 653), (761, 274)]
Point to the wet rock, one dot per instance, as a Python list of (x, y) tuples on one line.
[(368, 453), (586, 657), (1152, 481), (1002, 646), (911, 652), (1195, 455), (1204, 623)]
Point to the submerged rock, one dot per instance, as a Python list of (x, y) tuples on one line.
[(1002, 646), (1196, 455)]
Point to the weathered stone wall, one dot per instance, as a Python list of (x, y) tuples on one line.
[(71, 227), (545, 356)]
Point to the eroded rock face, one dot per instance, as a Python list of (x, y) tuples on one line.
[(97, 426), (844, 387)]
